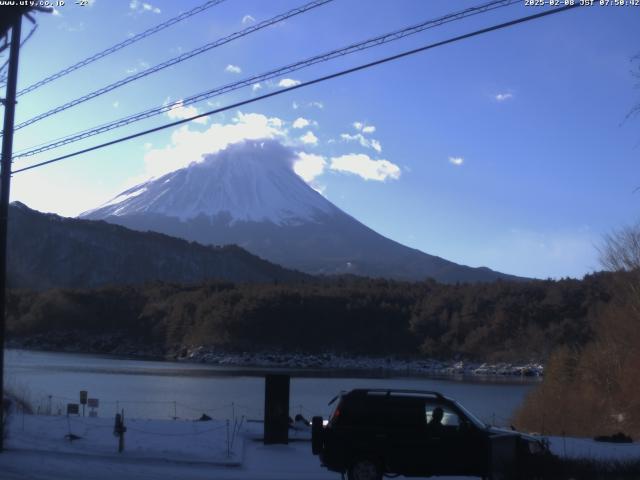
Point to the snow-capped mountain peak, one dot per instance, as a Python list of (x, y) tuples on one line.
[(249, 181)]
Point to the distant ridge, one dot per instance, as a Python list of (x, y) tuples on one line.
[(46, 250)]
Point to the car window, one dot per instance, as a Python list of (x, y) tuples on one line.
[(406, 413), (449, 418), (471, 417), (362, 412)]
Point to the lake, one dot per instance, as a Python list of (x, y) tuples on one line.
[(161, 389)]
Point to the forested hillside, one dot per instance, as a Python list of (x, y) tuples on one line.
[(499, 321), (48, 251)]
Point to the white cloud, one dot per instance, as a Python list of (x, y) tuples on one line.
[(116, 104), (72, 28), (309, 166), (189, 145), (309, 138), (142, 65), (256, 86), (275, 121), (288, 82), (233, 69), (248, 19), (296, 105), (361, 127), (179, 112), (301, 122), (501, 97), (362, 140), (141, 7), (365, 167), (457, 161)]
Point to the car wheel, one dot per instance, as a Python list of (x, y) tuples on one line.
[(365, 469)]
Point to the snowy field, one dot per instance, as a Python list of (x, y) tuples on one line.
[(170, 449), (588, 448), (154, 449), (179, 441)]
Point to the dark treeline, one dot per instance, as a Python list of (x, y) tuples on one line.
[(498, 321)]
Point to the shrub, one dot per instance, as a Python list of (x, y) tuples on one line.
[(595, 390)]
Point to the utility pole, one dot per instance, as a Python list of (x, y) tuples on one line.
[(5, 184)]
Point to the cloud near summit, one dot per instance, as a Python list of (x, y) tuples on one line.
[(190, 143)]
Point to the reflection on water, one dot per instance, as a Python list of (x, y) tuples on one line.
[(156, 389)]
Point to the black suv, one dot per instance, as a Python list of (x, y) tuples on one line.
[(417, 433)]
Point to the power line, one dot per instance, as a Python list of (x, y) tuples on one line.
[(121, 45), (356, 47), (176, 60), (306, 84)]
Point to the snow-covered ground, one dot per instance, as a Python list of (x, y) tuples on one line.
[(587, 448), (169, 449), (279, 462), (154, 449), (180, 441)]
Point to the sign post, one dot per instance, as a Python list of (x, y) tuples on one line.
[(93, 404), (83, 399), (119, 430)]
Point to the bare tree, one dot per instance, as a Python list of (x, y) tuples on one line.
[(620, 250)]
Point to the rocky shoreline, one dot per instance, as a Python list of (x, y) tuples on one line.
[(336, 361), (123, 346)]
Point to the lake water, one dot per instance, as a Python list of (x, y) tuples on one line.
[(156, 389)]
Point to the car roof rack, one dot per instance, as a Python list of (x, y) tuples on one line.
[(390, 391)]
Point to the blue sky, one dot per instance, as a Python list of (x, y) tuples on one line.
[(510, 150)]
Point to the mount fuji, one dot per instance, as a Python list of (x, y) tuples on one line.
[(249, 194)]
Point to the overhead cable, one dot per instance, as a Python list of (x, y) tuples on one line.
[(121, 45), (324, 57), (305, 84), (175, 60)]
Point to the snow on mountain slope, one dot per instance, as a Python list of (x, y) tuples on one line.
[(250, 181), (249, 195)]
